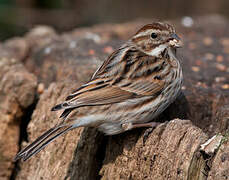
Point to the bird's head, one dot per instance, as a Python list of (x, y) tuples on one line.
[(154, 38)]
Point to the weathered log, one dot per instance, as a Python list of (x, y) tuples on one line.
[(172, 151)]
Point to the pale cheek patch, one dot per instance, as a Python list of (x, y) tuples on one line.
[(156, 51)]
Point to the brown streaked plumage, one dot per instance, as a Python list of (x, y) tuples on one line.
[(134, 85)]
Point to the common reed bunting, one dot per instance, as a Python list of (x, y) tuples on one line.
[(136, 83)]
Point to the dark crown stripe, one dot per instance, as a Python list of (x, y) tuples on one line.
[(156, 26)]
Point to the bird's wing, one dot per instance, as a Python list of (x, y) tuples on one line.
[(118, 80)]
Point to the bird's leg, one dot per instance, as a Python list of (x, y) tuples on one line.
[(129, 125), (150, 126)]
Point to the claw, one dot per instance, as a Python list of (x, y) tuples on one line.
[(146, 134)]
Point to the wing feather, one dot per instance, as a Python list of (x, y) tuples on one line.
[(105, 88)]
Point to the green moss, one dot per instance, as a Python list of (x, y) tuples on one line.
[(225, 138)]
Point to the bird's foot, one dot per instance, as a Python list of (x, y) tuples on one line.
[(146, 134), (151, 126)]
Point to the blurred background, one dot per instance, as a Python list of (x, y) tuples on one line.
[(18, 16)]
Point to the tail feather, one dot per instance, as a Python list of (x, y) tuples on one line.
[(42, 141), (37, 141)]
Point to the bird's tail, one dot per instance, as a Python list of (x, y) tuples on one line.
[(42, 141)]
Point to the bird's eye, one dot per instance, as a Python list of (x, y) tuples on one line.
[(153, 35)]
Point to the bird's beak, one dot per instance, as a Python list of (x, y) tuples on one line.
[(175, 36), (175, 41)]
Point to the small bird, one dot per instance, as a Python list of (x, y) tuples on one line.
[(135, 84)]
